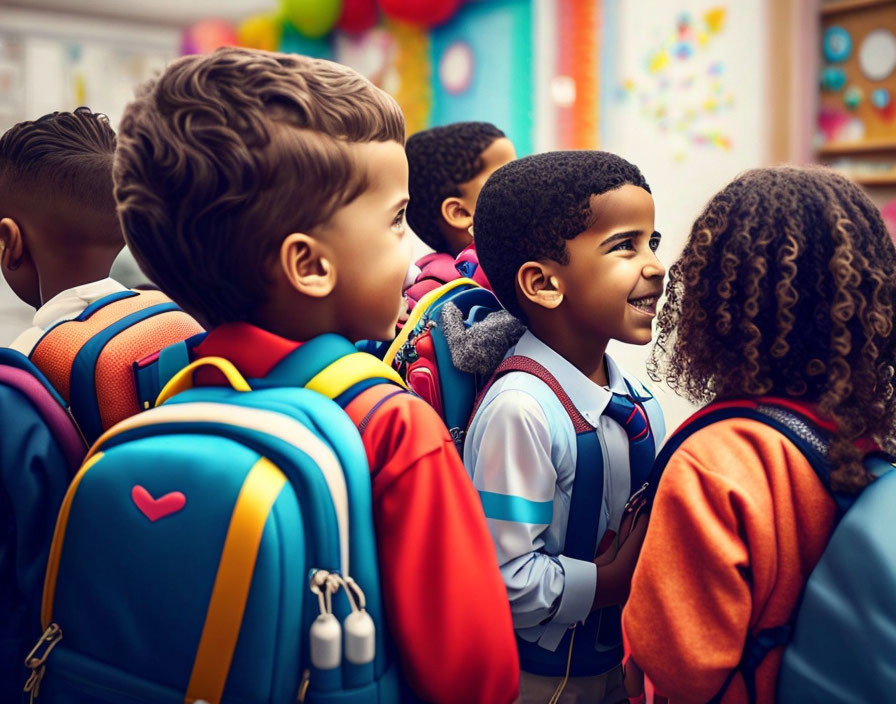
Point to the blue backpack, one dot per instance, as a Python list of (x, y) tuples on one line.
[(840, 641), (40, 451), (428, 360), (219, 547)]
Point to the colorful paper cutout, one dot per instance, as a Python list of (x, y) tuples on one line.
[(837, 44), (877, 55), (833, 78), (685, 92), (880, 98), (852, 98)]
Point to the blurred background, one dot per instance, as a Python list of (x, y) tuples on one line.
[(692, 91)]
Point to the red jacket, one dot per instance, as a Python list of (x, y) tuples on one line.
[(444, 598)]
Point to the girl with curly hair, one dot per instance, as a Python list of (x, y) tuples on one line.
[(783, 297)]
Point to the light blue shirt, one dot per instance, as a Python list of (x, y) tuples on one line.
[(521, 454)]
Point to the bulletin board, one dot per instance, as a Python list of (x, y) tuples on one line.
[(857, 99), (482, 68)]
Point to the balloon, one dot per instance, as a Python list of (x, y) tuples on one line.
[(206, 36), (294, 43), (312, 18), (423, 13), (357, 16), (260, 32)]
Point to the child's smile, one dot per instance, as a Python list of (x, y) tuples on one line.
[(645, 304)]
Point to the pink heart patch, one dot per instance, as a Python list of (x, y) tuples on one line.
[(154, 509)]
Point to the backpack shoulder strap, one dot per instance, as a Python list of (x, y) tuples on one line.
[(519, 363), (588, 485)]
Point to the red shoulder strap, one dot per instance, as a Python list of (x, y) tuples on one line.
[(518, 363)]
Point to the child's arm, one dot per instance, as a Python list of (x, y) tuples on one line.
[(444, 598), (512, 457)]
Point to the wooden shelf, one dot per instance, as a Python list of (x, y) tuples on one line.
[(885, 179), (833, 8), (859, 147)]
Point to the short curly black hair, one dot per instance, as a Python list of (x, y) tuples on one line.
[(529, 208), (440, 159)]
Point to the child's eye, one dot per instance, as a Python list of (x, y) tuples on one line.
[(654, 243), (622, 246), (398, 222)]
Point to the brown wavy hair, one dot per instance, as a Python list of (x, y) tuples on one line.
[(224, 155), (786, 287)]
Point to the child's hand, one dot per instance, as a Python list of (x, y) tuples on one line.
[(634, 679), (614, 579)]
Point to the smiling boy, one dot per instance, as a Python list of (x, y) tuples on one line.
[(563, 437)]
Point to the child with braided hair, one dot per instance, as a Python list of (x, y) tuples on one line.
[(782, 303)]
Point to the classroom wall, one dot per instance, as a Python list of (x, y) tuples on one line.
[(692, 91)]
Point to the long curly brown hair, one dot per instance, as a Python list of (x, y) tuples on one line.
[(786, 287)]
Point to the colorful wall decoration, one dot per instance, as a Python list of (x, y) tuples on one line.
[(576, 84), (444, 61), (682, 87), (857, 99), (482, 68)]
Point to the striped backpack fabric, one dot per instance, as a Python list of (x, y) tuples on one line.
[(220, 547), (40, 452), (89, 360)]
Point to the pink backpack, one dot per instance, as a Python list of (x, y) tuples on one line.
[(438, 268)]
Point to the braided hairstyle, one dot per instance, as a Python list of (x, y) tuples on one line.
[(66, 153), (786, 287), (440, 159)]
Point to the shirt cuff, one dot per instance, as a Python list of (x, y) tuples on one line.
[(580, 583)]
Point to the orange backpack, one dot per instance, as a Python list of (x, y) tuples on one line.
[(90, 360)]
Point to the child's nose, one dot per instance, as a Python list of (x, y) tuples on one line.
[(653, 267)]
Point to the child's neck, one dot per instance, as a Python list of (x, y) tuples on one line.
[(588, 356), (58, 275)]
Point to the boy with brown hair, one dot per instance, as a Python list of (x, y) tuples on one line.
[(266, 194)]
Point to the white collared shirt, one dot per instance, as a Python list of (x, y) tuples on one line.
[(521, 454), (65, 305)]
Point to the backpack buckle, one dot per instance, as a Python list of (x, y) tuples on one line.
[(35, 662)]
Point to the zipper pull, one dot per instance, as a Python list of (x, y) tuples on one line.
[(634, 497), (35, 662)]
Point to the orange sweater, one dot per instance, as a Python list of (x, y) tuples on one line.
[(740, 521)]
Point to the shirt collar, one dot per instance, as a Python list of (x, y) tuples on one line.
[(70, 303), (589, 398), (254, 351)]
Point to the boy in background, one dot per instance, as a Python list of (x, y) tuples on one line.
[(568, 241), (59, 232), (266, 194), (447, 167)]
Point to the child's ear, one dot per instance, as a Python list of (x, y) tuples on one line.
[(456, 213), (12, 244), (308, 265), (537, 283)]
